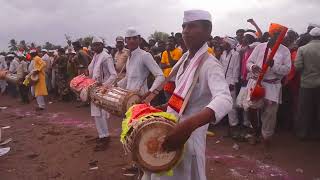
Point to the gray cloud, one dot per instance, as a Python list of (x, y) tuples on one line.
[(45, 20)]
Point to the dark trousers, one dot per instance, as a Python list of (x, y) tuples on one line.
[(24, 93), (307, 124)]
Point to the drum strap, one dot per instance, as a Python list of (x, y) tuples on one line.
[(194, 82)]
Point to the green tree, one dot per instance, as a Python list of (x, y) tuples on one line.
[(13, 46), (157, 35)]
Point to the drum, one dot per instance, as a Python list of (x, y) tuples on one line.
[(82, 85), (13, 78), (3, 74), (144, 141), (115, 100)]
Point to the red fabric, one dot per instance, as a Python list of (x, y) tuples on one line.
[(175, 102), (169, 87), (245, 58), (80, 82), (140, 110)]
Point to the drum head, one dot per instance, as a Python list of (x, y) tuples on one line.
[(147, 150)]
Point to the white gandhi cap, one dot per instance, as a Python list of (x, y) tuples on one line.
[(195, 15), (131, 32)]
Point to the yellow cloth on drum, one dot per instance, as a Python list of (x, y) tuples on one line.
[(126, 126), (40, 87)]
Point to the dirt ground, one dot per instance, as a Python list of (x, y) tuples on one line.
[(55, 144)]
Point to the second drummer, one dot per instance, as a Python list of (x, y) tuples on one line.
[(102, 70), (139, 65)]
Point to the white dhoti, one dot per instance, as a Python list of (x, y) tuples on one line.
[(41, 102), (232, 115), (3, 85), (100, 116)]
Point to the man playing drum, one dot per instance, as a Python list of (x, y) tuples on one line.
[(209, 102), (102, 70), (139, 65)]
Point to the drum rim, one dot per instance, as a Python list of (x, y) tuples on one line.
[(141, 162)]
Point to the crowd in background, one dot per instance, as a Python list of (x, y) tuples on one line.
[(233, 51)]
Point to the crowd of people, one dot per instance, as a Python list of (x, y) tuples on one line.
[(292, 82)]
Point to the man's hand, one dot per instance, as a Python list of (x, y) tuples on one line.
[(251, 21), (256, 69), (178, 136), (270, 63), (145, 96)]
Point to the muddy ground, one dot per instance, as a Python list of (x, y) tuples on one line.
[(57, 144)]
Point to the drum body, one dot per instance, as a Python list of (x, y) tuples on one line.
[(144, 142), (13, 78), (115, 100), (82, 85)]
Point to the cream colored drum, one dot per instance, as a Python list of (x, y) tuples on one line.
[(82, 85), (115, 100), (145, 144)]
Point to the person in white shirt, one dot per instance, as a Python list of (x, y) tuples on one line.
[(230, 60), (102, 70), (3, 67), (279, 67), (210, 99), (14, 63), (138, 67)]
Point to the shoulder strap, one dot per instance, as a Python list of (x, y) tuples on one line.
[(225, 75), (195, 79)]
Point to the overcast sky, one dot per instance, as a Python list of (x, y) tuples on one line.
[(48, 20)]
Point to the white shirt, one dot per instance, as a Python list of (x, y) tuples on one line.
[(210, 91), (281, 67), (138, 68), (3, 63), (102, 70), (14, 66), (46, 58), (231, 66), (30, 67)]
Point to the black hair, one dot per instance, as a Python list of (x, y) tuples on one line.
[(76, 44), (240, 31), (61, 50)]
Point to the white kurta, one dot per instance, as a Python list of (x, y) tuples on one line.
[(281, 67), (231, 66), (102, 70), (232, 72), (210, 91), (14, 66), (3, 66), (138, 68)]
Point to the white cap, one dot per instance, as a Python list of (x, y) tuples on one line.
[(44, 50), (33, 51), (51, 51), (10, 55), (131, 32), (315, 32), (194, 15), (230, 41), (96, 39), (251, 34)]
